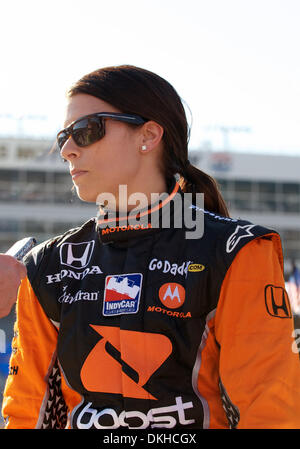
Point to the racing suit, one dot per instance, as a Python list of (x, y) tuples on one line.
[(140, 327)]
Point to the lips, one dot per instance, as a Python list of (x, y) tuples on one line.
[(75, 173)]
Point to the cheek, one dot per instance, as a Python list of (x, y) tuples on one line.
[(111, 163), (119, 154)]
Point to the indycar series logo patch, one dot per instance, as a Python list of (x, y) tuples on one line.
[(122, 294)]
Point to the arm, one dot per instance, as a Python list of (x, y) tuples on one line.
[(11, 274), (34, 354), (253, 326)]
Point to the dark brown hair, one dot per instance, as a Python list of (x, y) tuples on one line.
[(138, 91)]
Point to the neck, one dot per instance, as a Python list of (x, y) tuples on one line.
[(139, 193), (116, 226)]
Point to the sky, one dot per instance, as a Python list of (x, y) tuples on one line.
[(235, 63)]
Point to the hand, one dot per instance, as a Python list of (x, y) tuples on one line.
[(11, 273)]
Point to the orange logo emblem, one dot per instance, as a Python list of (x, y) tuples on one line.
[(123, 361), (172, 295)]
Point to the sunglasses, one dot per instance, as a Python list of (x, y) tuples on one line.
[(91, 128)]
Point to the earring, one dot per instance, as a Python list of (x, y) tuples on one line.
[(144, 147)]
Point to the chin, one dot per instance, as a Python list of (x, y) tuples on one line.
[(87, 197)]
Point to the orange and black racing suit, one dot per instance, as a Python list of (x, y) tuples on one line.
[(143, 328)]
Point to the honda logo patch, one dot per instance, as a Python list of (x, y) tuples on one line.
[(277, 302), (76, 255)]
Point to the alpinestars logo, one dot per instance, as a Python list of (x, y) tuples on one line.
[(240, 232)]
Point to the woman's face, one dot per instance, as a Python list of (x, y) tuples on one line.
[(105, 164)]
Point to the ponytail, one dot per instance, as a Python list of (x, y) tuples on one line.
[(193, 180), (196, 180)]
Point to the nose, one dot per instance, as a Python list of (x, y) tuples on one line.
[(70, 150)]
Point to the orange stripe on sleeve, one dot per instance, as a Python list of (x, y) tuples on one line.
[(33, 346), (253, 326)]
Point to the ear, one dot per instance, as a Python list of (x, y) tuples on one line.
[(151, 136)]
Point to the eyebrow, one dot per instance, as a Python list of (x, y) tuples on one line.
[(72, 120), (66, 124), (69, 122)]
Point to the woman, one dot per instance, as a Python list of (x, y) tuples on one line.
[(122, 325)]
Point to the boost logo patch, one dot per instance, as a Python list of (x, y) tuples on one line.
[(122, 294)]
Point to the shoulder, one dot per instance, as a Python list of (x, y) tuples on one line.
[(41, 253), (260, 257), (230, 235)]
